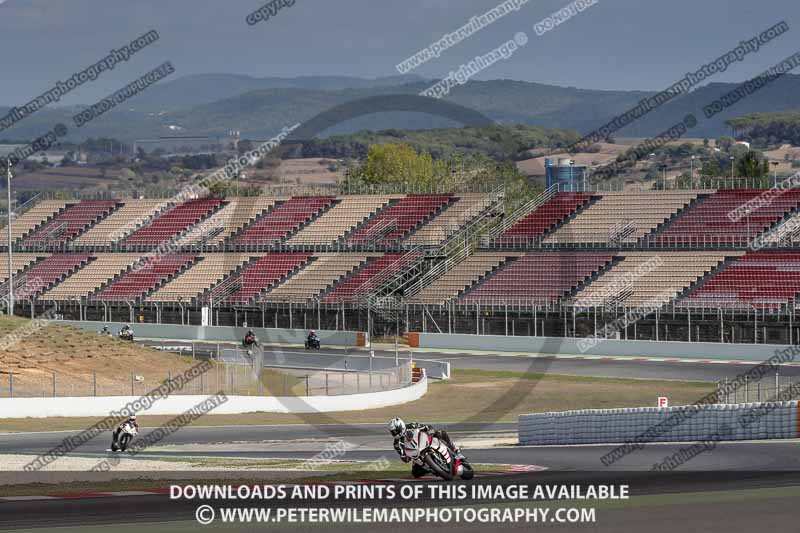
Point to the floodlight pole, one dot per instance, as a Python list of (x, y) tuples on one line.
[(10, 263)]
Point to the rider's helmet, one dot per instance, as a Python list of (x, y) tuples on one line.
[(312, 332), (250, 332), (132, 418), (397, 426)]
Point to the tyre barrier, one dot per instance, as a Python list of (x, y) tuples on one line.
[(746, 421)]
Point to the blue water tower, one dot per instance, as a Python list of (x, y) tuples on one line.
[(569, 176)]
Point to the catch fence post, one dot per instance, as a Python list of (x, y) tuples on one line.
[(307, 385)]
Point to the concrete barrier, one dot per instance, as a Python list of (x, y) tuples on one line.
[(749, 421), (174, 405), (225, 333), (610, 347)]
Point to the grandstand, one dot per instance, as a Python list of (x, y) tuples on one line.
[(132, 215), (172, 222), (559, 264), (284, 219)]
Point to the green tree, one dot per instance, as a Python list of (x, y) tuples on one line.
[(710, 168), (751, 165), (398, 163)]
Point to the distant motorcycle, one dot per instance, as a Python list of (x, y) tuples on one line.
[(312, 342), (123, 437), (432, 455), (126, 335)]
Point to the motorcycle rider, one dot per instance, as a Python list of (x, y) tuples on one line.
[(250, 338), (398, 429), (126, 332), (312, 338), (104, 331), (130, 420)]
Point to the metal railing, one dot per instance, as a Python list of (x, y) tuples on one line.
[(767, 389), (234, 379), (521, 213)]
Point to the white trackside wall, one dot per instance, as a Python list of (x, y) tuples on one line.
[(748, 421)]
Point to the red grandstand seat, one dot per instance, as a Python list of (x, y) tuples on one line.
[(399, 219)]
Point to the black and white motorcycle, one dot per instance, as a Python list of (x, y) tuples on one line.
[(431, 455), (123, 436)]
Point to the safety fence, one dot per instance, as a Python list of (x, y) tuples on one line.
[(767, 420), (234, 379)]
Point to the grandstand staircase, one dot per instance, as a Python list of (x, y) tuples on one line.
[(790, 238), (415, 272), (520, 213), (620, 231), (460, 245), (231, 283), (378, 294)]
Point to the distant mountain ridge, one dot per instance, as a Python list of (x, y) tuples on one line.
[(213, 104)]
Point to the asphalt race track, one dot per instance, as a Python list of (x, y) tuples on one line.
[(619, 367)]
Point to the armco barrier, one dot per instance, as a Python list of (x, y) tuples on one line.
[(226, 333), (767, 420), (610, 347), (173, 405)]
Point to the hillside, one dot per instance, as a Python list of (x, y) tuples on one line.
[(214, 104), (769, 129), (498, 142), (74, 355)]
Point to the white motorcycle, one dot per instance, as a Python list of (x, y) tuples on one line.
[(432, 455), (123, 437)]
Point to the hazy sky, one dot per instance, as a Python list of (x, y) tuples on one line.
[(615, 44)]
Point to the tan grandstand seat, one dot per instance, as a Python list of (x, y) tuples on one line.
[(643, 277), (451, 220), (122, 222), (321, 273), (20, 262), (32, 218), (350, 212), (204, 274), (460, 277), (622, 216), (91, 277), (238, 213)]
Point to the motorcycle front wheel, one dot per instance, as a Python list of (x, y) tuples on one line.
[(468, 473), (124, 439), (438, 466)]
